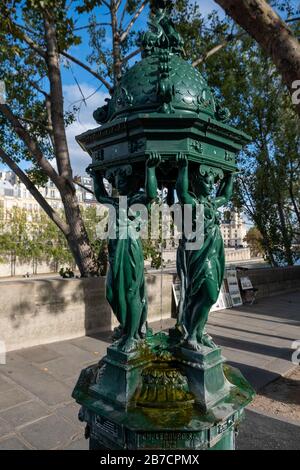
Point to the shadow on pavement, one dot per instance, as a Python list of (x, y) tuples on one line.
[(260, 432)]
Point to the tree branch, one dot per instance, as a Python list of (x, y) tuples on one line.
[(291, 20), (34, 192), (132, 54), (88, 69), (36, 123), (273, 35), (217, 48), (123, 14), (133, 20), (83, 187), (118, 3), (40, 90), (23, 36), (32, 146), (92, 24)]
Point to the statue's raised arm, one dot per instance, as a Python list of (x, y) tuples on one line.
[(99, 188), (182, 183), (225, 190), (151, 179)]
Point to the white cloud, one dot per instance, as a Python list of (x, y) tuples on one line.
[(80, 159), (72, 96)]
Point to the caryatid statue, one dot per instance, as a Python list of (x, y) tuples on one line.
[(165, 391), (125, 285), (201, 270)]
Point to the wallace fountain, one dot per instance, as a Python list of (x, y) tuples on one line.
[(163, 127)]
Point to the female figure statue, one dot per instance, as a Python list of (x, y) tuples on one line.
[(203, 267), (125, 285)]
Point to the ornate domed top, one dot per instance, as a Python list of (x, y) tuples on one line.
[(162, 82)]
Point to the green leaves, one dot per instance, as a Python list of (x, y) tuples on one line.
[(247, 83)]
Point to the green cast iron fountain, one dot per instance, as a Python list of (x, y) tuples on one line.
[(163, 126)]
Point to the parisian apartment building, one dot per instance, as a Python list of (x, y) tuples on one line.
[(13, 193)]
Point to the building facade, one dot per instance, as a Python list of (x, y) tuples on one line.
[(13, 193), (233, 229)]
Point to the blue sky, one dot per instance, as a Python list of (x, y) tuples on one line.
[(90, 86), (206, 7)]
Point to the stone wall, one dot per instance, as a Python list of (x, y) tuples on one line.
[(232, 255), (46, 310), (17, 267), (272, 281), (42, 311)]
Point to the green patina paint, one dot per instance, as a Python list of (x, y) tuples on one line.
[(163, 126)]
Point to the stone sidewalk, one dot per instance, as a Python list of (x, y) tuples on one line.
[(36, 409)]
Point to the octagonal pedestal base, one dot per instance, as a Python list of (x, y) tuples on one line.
[(105, 433), (163, 397)]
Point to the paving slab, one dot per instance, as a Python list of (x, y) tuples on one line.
[(68, 349), (72, 381), (49, 433), (36, 381), (93, 345), (13, 443), (13, 397), (37, 410), (38, 354), (5, 428), (64, 367), (280, 366), (70, 412), (5, 385), (257, 376), (78, 444), (25, 413), (260, 432), (244, 357)]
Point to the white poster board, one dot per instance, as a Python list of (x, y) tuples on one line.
[(246, 283), (233, 287), (224, 299), (176, 292), (229, 296)]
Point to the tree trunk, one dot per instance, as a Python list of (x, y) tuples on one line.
[(77, 237), (285, 235), (268, 249), (267, 246), (117, 62), (52, 214), (271, 33), (294, 202)]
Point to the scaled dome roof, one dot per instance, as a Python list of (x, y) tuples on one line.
[(162, 82)]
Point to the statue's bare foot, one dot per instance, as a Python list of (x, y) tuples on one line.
[(117, 333), (207, 340), (180, 331), (192, 344), (128, 345), (143, 330)]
